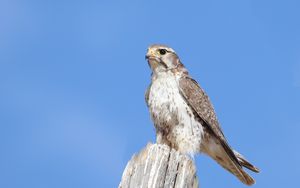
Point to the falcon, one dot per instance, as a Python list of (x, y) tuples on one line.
[(183, 115)]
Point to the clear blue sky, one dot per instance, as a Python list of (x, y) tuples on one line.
[(73, 77)]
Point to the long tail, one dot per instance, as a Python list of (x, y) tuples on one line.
[(233, 163), (236, 169), (244, 162)]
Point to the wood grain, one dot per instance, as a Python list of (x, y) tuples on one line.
[(158, 166)]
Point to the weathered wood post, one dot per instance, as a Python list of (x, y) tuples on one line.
[(159, 166)]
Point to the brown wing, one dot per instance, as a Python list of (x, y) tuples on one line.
[(199, 102)]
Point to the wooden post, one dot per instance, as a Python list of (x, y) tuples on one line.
[(159, 166)]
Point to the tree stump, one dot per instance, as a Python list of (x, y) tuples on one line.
[(159, 166)]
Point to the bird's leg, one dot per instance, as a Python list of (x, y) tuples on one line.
[(162, 139)]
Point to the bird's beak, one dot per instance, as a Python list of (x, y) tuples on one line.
[(153, 61), (150, 54)]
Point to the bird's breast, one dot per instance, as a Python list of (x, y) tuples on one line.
[(163, 98), (172, 115)]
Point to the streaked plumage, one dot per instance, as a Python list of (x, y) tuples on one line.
[(183, 116)]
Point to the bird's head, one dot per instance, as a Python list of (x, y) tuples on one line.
[(162, 58)]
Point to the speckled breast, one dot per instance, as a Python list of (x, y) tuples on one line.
[(172, 117)]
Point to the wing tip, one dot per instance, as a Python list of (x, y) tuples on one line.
[(245, 163)]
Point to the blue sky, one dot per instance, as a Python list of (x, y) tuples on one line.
[(73, 77)]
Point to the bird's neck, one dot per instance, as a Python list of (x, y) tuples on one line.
[(162, 74), (168, 73)]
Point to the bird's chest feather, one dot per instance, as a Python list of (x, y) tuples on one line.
[(165, 100), (172, 116)]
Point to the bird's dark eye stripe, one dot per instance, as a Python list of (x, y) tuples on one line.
[(162, 51)]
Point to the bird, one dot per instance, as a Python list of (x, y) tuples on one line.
[(183, 115)]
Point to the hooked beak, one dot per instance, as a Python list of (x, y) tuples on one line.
[(153, 60)]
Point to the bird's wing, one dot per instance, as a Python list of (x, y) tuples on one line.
[(200, 103)]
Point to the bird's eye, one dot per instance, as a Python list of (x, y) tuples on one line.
[(162, 51)]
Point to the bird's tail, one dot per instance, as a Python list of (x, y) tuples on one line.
[(244, 162), (236, 169), (234, 162)]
